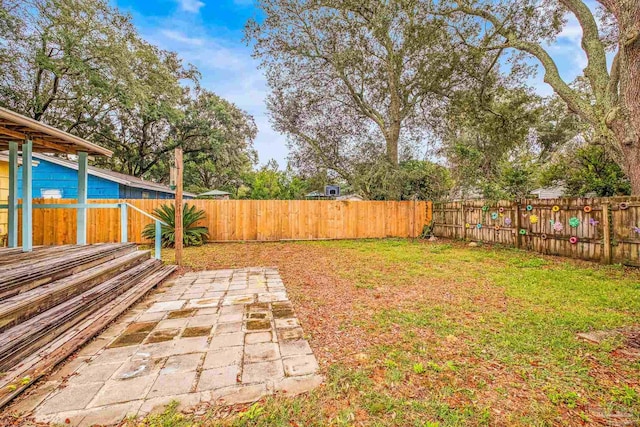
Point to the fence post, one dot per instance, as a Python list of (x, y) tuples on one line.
[(517, 224), (606, 229), (123, 223), (463, 233), (157, 254)]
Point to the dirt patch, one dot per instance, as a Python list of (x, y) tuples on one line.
[(163, 335), (196, 331), (258, 325), (140, 327), (126, 340), (179, 314)]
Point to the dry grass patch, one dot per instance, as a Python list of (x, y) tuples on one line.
[(420, 334)]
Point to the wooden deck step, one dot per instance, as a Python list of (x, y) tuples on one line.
[(19, 258), (43, 361), (28, 304), (27, 337), (7, 254), (26, 275)]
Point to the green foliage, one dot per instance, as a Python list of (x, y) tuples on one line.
[(80, 65), (269, 183), (380, 180), (626, 395), (587, 169), (193, 235)]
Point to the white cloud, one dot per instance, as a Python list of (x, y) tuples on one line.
[(227, 69), (192, 6), (181, 37)]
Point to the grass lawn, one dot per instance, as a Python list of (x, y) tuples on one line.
[(440, 334)]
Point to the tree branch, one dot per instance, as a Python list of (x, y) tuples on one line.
[(596, 70), (552, 76)]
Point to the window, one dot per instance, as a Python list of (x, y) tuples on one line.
[(51, 193)]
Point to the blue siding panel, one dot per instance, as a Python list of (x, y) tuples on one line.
[(50, 176)]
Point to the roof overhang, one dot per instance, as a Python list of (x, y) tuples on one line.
[(15, 127)]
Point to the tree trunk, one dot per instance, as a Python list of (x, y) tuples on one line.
[(392, 136), (632, 166), (628, 132)]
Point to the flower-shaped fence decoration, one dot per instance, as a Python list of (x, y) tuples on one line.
[(557, 226), (485, 208), (529, 208), (555, 208), (573, 240), (523, 232), (494, 215), (478, 226), (533, 219), (593, 221), (574, 221), (507, 221)]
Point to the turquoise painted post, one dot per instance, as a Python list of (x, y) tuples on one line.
[(123, 222), (13, 195), (158, 240), (27, 197), (81, 235)]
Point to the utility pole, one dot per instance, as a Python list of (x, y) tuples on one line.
[(178, 204)]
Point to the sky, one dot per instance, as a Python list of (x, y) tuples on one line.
[(209, 34)]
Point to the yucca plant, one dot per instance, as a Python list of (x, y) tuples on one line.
[(193, 235)]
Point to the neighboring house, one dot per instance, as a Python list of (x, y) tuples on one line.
[(315, 195), (57, 178), (556, 192), (215, 194), (458, 195), (350, 198)]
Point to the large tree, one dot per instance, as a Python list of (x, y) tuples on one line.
[(81, 66), (612, 102), (352, 77), (66, 62), (217, 139)]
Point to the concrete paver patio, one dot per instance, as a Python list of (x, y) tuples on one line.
[(224, 337)]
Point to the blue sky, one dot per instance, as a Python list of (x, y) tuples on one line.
[(208, 34)]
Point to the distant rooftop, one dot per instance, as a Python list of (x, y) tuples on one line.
[(214, 193)]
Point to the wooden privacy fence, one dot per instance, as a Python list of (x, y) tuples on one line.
[(244, 220), (596, 229)]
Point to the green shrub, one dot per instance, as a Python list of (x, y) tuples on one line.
[(193, 235)]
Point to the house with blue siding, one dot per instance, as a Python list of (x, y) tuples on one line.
[(57, 178)]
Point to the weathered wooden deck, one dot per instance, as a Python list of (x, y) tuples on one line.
[(54, 299)]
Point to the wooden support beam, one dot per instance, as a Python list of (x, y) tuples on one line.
[(59, 148), (178, 205), (27, 196), (13, 196), (81, 234)]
